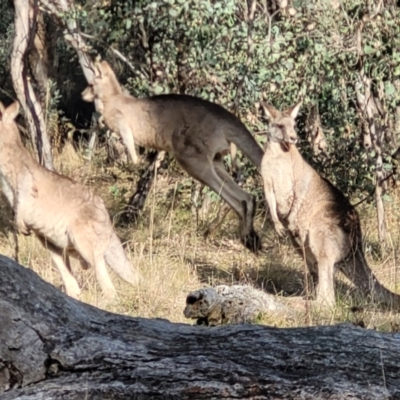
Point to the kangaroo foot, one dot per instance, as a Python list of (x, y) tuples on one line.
[(128, 216), (252, 241)]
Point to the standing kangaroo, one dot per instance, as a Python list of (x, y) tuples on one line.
[(197, 132), (66, 216), (323, 225)]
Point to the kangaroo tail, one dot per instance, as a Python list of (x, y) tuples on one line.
[(116, 259), (359, 272)]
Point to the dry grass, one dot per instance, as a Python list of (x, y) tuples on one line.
[(168, 248)]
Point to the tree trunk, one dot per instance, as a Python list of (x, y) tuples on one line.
[(374, 136), (157, 161), (25, 20), (55, 347), (39, 61)]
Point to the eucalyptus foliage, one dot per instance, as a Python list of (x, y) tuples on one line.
[(312, 50)]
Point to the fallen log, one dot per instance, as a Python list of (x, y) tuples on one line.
[(54, 347)]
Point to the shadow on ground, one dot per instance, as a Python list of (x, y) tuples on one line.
[(6, 216)]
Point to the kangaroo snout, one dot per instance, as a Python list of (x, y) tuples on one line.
[(292, 139)]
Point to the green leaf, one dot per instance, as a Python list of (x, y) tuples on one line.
[(387, 198), (387, 166), (113, 35), (368, 49), (173, 12), (389, 89), (289, 64), (157, 89)]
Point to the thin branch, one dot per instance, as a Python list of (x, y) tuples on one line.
[(268, 19), (128, 63), (65, 12)]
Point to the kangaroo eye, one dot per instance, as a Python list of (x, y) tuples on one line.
[(281, 127)]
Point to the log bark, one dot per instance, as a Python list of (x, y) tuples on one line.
[(55, 347)]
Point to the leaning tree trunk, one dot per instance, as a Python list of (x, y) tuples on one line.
[(65, 14), (373, 137), (25, 30), (54, 347), (157, 161)]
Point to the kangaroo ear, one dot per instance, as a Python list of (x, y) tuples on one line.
[(10, 113), (293, 111), (270, 111), (106, 69), (88, 94), (97, 67)]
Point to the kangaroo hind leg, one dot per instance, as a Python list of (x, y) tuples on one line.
[(301, 246), (247, 207), (92, 251), (205, 171), (325, 250), (62, 262)]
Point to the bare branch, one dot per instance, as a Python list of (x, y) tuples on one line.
[(128, 63), (268, 19), (66, 13)]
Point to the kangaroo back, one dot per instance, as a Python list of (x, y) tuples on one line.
[(243, 139), (209, 118)]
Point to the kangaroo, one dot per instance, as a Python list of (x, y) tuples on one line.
[(323, 225), (197, 132), (67, 218)]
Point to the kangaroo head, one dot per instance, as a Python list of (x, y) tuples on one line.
[(8, 127), (282, 124), (318, 141), (88, 94), (104, 76), (104, 83)]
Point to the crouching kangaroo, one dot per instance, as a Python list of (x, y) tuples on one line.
[(320, 220), (197, 132), (66, 216)]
